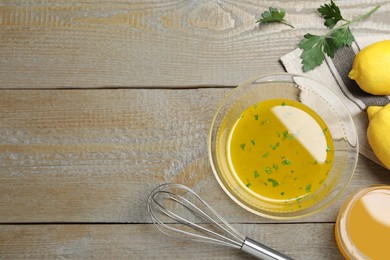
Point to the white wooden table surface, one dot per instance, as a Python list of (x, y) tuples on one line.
[(101, 101)]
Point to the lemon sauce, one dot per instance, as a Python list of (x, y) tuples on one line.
[(369, 240), (280, 149)]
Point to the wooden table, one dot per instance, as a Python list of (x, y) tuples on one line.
[(101, 102)]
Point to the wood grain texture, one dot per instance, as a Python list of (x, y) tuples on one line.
[(94, 155), (89, 44), (144, 242), (76, 166), (116, 142)]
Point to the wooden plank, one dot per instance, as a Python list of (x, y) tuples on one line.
[(89, 44), (300, 241), (94, 155)]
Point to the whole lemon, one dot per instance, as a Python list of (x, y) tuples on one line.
[(371, 68), (378, 132)]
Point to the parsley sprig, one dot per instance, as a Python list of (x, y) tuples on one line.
[(274, 15), (315, 47)]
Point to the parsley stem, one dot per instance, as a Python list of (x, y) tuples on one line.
[(286, 23), (348, 23), (360, 18)]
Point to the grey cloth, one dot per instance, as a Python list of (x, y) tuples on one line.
[(333, 73)]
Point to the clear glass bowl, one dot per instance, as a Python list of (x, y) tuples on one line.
[(310, 93)]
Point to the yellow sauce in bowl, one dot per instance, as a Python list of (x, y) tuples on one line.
[(283, 146), (280, 150), (363, 225)]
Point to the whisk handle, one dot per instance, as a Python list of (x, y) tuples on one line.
[(261, 251)]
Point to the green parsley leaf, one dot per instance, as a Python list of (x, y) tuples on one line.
[(256, 174), (264, 122), (308, 187), (331, 14), (274, 15), (314, 47), (274, 146), (274, 182), (287, 135), (342, 37), (242, 146), (286, 162)]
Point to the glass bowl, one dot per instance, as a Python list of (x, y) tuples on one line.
[(247, 185)]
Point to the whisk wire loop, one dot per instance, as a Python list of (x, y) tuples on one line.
[(172, 201), (216, 237), (198, 212)]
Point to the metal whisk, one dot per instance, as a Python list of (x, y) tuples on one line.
[(179, 212)]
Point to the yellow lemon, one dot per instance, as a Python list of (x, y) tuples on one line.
[(371, 68), (378, 132)]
